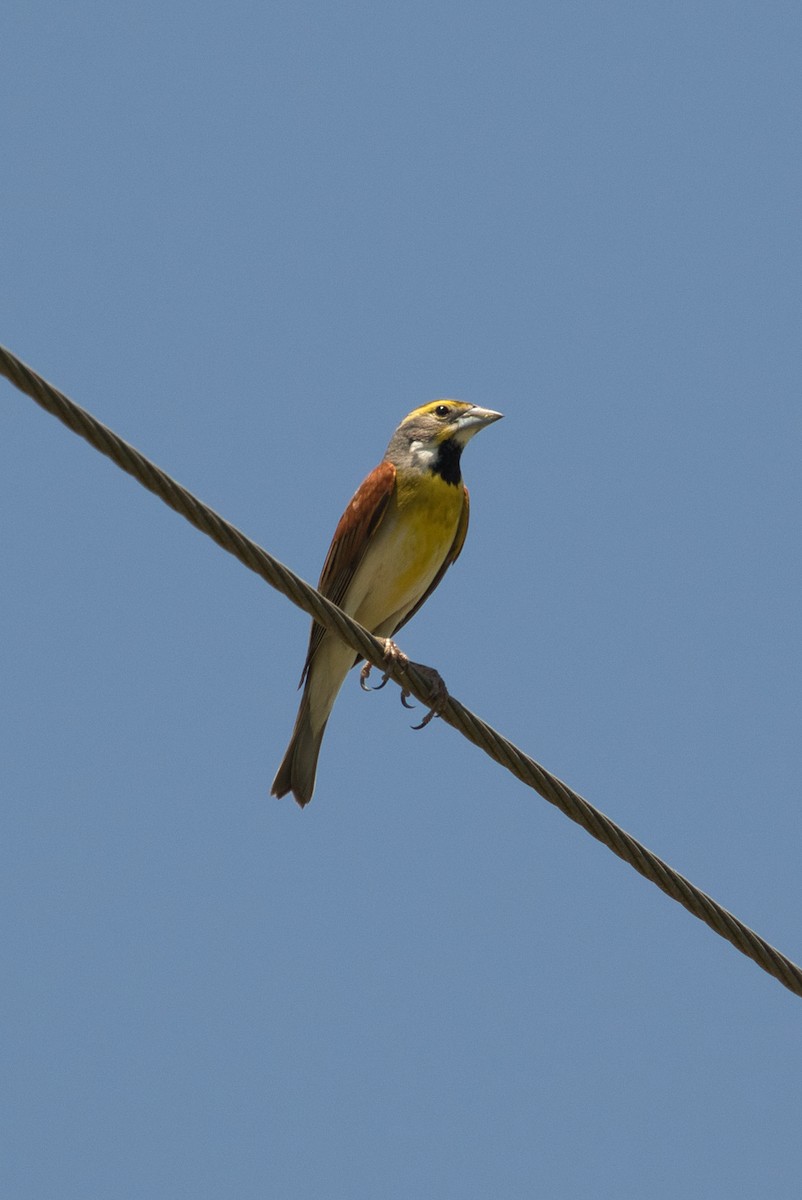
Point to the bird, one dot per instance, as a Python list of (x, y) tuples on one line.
[(404, 527)]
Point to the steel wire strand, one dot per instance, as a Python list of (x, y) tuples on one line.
[(453, 712)]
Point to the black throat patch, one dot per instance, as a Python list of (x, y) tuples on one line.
[(446, 465)]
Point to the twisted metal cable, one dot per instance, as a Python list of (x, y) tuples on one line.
[(455, 714)]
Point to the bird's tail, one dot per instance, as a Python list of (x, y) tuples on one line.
[(299, 765)]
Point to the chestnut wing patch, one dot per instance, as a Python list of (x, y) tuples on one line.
[(351, 537)]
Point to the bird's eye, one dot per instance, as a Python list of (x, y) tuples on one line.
[(442, 410)]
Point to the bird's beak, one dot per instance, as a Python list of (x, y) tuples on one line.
[(475, 419), (484, 416)]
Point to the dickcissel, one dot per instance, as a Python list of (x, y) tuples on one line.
[(395, 541)]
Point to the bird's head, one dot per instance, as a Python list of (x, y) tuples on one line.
[(432, 437)]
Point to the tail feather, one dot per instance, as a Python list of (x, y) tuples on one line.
[(332, 662), (299, 765)]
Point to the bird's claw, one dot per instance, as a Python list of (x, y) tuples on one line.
[(363, 678), (431, 713), (391, 655), (439, 692)]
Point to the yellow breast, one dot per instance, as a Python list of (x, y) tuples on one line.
[(409, 548)]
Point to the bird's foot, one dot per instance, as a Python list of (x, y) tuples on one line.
[(438, 689), (437, 697), (392, 655)]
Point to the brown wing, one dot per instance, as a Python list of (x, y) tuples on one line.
[(359, 521), (451, 557)]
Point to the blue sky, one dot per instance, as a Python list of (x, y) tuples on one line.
[(250, 238)]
